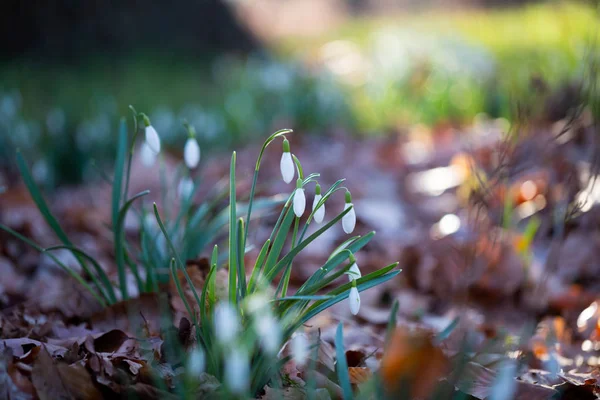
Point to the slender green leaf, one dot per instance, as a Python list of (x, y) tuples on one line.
[(68, 270), (392, 322), (342, 364), (103, 277), (232, 233), (278, 242), (298, 167), (258, 265), (212, 294), (241, 270), (290, 256), (177, 258), (119, 166), (119, 244)]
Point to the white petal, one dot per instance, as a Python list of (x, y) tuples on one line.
[(196, 362), (349, 220), (185, 188), (287, 167), (299, 202), (354, 272), (226, 323), (320, 213), (191, 153), (299, 349), (147, 156), (269, 333), (354, 299), (237, 371), (152, 139)]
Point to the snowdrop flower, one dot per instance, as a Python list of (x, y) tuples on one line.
[(354, 299), (237, 371), (299, 349), (196, 362), (227, 323), (147, 156), (319, 214), (287, 164), (191, 153), (152, 138), (269, 332), (349, 220), (185, 188), (353, 272), (299, 199)]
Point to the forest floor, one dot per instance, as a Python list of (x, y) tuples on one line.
[(498, 244)]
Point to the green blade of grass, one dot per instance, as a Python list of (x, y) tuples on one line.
[(232, 232), (120, 243), (342, 364)]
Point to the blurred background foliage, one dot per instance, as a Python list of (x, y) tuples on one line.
[(69, 70)]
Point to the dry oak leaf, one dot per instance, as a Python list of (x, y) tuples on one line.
[(56, 381)]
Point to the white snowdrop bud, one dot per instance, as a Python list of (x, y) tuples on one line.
[(185, 188), (299, 199), (191, 153), (319, 213), (299, 349), (287, 164), (353, 272), (354, 299), (227, 323), (152, 139), (269, 332), (237, 371), (147, 156), (349, 220), (196, 362)]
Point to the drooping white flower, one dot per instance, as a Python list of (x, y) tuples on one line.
[(354, 299), (269, 332), (299, 349), (237, 371), (319, 213), (152, 139), (353, 272), (349, 220), (185, 188), (227, 324), (191, 153), (147, 156), (287, 164), (196, 362), (299, 199)]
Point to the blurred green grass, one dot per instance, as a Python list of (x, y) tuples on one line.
[(397, 70), (549, 41)]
